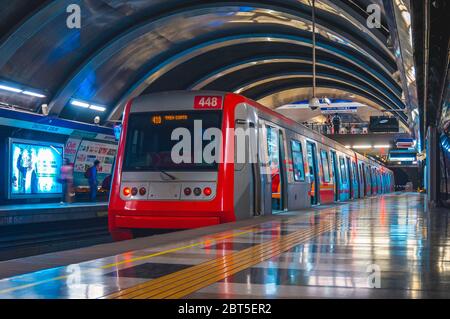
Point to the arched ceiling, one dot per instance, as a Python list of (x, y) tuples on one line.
[(127, 48)]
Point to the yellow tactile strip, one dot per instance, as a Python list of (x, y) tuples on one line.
[(184, 282)]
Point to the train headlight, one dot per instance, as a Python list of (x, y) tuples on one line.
[(187, 191), (207, 191), (197, 191), (134, 191), (127, 191), (142, 191)]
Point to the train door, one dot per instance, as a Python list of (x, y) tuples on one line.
[(343, 193), (313, 172), (380, 184), (283, 170), (368, 181), (350, 178), (274, 149), (362, 182), (372, 181), (335, 170), (355, 181), (249, 178)]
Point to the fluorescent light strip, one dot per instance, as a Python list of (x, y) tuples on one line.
[(17, 90), (11, 89), (33, 94), (382, 146), (80, 104), (97, 108), (88, 106), (362, 146)]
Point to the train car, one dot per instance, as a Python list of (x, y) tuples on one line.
[(262, 163)]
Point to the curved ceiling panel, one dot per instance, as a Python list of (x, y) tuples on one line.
[(230, 74), (320, 75), (257, 89), (192, 52), (135, 50), (126, 48)]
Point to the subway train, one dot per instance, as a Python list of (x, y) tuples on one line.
[(189, 159)]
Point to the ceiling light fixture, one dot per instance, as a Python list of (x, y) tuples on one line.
[(80, 104), (33, 94), (97, 108), (87, 105), (10, 89), (15, 89)]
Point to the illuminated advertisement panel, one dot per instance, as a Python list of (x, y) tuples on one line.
[(34, 169)]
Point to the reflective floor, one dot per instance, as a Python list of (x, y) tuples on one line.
[(383, 247)]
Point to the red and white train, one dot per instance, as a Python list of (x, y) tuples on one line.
[(296, 167)]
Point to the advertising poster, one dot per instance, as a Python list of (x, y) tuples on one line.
[(34, 168), (71, 148), (89, 151)]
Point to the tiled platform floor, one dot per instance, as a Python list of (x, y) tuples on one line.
[(342, 251)]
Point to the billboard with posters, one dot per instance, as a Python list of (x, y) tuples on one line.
[(87, 152), (34, 169)]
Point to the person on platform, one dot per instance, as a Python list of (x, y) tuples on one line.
[(336, 123), (92, 178), (66, 181), (328, 124)]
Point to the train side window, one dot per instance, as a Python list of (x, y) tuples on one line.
[(325, 166), (343, 170), (297, 161)]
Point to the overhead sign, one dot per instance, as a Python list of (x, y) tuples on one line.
[(341, 105), (402, 156), (404, 142), (383, 124), (340, 109)]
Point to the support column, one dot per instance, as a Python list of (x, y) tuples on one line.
[(432, 167)]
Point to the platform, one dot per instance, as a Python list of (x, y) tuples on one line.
[(379, 247), (50, 212)]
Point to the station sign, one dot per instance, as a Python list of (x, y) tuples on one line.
[(339, 109), (402, 156)]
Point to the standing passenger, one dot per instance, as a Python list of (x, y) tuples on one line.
[(336, 123), (91, 175), (328, 124)]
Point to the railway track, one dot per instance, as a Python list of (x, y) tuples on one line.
[(34, 239)]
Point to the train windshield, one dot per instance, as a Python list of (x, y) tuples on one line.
[(169, 141)]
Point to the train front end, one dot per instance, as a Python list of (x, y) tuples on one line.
[(170, 171)]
